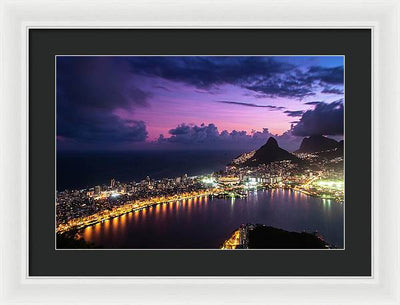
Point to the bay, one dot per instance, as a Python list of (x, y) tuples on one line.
[(204, 223)]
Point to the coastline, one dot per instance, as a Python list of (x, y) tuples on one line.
[(76, 224)]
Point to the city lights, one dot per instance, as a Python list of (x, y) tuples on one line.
[(77, 209)]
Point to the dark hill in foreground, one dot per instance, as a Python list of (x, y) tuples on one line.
[(264, 237), (270, 152)]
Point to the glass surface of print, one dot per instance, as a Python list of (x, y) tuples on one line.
[(200, 152)]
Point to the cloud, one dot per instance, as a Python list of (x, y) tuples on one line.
[(332, 90), (313, 103), (205, 72), (89, 91), (294, 113), (327, 75), (256, 95), (180, 130), (252, 105), (292, 84), (265, 76), (193, 134), (324, 119), (208, 137), (162, 87)]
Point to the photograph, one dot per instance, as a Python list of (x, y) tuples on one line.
[(199, 152)]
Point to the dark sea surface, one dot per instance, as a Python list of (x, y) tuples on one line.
[(204, 223), (77, 170)]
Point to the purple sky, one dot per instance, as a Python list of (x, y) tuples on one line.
[(160, 102)]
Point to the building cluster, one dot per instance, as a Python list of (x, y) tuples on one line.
[(80, 203), (264, 174), (320, 177)]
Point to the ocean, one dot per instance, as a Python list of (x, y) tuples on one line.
[(78, 170)]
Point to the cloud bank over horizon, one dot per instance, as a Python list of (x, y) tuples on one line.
[(209, 136)]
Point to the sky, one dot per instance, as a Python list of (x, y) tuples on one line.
[(196, 102)]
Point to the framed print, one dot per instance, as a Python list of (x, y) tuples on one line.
[(185, 155), (205, 155)]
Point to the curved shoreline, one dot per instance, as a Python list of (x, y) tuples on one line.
[(130, 207), (74, 224)]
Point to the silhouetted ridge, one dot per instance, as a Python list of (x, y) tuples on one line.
[(271, 142), (270, 152), (317, 144)]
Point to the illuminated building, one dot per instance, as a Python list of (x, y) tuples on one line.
[(229, 180)]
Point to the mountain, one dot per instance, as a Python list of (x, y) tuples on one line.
[(268, 153), (316, 144), (338, 151), (243, 157)]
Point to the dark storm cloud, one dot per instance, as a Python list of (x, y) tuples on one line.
[(327, 75), (332, 90), (267, 77), (204, 72), (292, 84), (252, 105), (89, 90), (208, 137), (99, 127), (325, 119), (294, 113)]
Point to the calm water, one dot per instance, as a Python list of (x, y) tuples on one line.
[(79, 170), (204, 223)]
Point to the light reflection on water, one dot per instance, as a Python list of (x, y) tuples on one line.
[(203, 223)]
